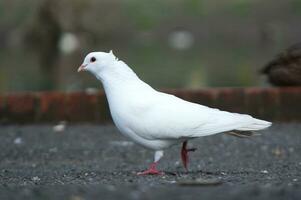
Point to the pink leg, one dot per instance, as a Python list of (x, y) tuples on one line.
[(184, 154), (152, 170)]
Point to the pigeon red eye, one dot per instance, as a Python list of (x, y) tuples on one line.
[(93, 59)]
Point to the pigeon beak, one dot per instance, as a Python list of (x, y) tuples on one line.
[(81, 68)]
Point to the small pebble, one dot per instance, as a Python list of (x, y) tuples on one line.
[(60, 127), (278, 152), (18, 140), (177, 163), (264, 172), (35, 179), (172, 182)]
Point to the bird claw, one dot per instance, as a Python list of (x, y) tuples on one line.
[(151, 171)]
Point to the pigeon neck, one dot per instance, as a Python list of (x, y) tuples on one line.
[(116, 75)]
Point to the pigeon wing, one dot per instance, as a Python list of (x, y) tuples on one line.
[(169, 117)]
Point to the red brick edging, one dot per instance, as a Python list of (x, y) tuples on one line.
[(275, 104)]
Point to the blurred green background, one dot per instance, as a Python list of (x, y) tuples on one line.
[(170, 44)]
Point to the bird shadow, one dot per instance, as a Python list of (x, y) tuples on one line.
[(197, 172)]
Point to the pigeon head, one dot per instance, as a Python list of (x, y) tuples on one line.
[(95, 62)]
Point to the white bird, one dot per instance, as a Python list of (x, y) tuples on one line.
[(157, 120)]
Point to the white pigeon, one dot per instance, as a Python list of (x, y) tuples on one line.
[(157, 120)]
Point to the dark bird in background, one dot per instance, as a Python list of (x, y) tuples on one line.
[(285, 68)]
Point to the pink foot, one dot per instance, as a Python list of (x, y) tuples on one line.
[(184, 154), (152, 170)]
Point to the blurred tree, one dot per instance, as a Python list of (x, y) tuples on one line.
[(43, 36)]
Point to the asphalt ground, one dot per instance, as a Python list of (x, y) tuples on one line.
[(86, 161)]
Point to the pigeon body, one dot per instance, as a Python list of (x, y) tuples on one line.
[(154, 119)]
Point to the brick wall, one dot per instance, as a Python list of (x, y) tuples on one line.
[(275, 104)]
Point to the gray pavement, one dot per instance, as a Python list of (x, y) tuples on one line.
[(92, 161)]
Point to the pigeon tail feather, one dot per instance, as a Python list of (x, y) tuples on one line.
[(256, 124)]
